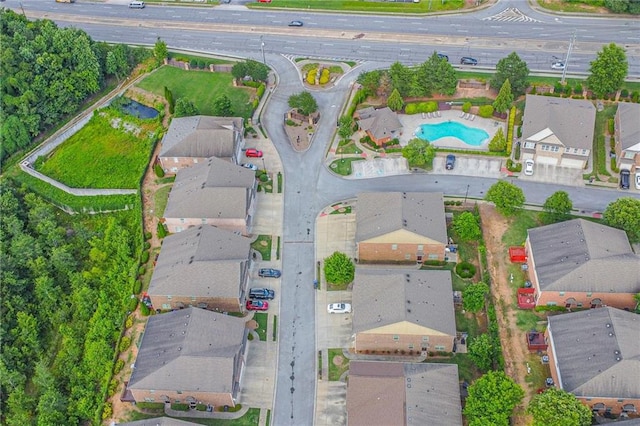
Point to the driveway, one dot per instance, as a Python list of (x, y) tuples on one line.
[(467, 165), (547, 173)]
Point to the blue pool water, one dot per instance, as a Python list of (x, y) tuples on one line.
[(469, 135)]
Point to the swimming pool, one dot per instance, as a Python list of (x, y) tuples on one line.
[(469, 135)]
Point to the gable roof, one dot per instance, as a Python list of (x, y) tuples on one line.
[(202, 261), (579, 255), (629, 126), (159, 421), (189, 350), (379, 213), (563, 121), (383, 297), (201, 136), (597, 352), (214, 189), (379, 122), (393, 393)]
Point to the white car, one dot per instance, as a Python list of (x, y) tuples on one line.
[(528, 167), (339, 308), (557, 65), (250, 166)]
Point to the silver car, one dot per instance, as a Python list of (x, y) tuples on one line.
[(339, 308)]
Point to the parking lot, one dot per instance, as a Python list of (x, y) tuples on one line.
[(555, 174), (470, 166)]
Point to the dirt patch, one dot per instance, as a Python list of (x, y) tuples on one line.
[(338, 360), (299, 135), (514, 349)]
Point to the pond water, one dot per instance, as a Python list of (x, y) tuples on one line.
[(136, 109)]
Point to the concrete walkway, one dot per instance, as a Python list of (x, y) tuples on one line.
[(195, 414)]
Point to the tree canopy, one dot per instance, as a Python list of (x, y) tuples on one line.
[(483, 351), (507, 197), (504, 99), (557, 207), (160, 51), (556, 407), (515, 70), (499, 142), (624, 213), (370, 81), (254, 69), (339, 269), (222, 106), (345, 127), (185, 108), (435, 75), (473, 297), (467, 226), (395, 102), (492, 399), (419, 153), (304, 102), (608, 70)]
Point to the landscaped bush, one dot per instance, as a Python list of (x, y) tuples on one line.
[(145, 257), (423, 107), (311, 76), (510, 124), (634, 96), (150, 405), (611, 125), (193, 64), (432, 106), (119, 366), (125, 342), (465, 270), (128, 323), (107, 411), (466, 107), (144, 310), (558, 88), (142, 270), (201, 64), (485, 111), (324, 76), (113, 386), (133, 304), (624, 93), (578, 89), (260, 90), (179, 406), (161, 230), (411, 109), (158, 170), (434, 263), (137, 286)]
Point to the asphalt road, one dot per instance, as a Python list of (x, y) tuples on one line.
[(309, 186)]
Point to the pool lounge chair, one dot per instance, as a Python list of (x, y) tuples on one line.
[(429, 115), (438, 114), (462, 114), (466, 116), (473, 117)]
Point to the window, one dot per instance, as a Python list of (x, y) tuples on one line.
[(195, 161), (148, 399), (551, 304), (179, 392), (204, 221), (166, 306), (193, 298), (181, 220), (589, 294), (175, 159), (425, 338), (152, 391), (396, 337), (394, 247), (169, 297), (439, 348), (562, 293), (420, 247), (433, 257), (579, 305), (529, 145), (407, 256), (410, 345)]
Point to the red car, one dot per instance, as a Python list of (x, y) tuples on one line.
[(252, 152), (257, 305)]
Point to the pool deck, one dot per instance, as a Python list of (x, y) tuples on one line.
[(411, 122)]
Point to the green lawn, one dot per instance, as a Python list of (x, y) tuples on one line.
[(424, 6), (263, 245), (517, 232), (201, 87), (468, 323), (160, 199), (338, 364), (111, 151), (600, 150), (251, 418), (343, 166), (347, 146), (528, 320), (261, 318), (538, 372)]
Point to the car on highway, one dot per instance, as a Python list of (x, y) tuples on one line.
[(466, 60), (450, 162), (339, 308), (528, 167), (296, 23), (269, 273), (443, 56), (557, 65), (249, 166), (625, 179), (261, 293), (252, 152), (257, 305)]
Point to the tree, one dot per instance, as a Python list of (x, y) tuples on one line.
[(608, 70), (506, 196), (168, 95), (401, 78), (395, 101), (419, 153), (624, 213), (482, 351), (498, 143), (222, 106), (345, 127), (636, 297), (370, 81), (504, 99), (254, 69), (556, 407), (515, 70), (473, 297), (339, 269), (160, 51), (240, 70), (117, 63), (304, 102), (492, 399), (185, 108), (467, 227), (557, 207)]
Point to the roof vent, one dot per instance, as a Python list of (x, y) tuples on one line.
[(409, 311), (179, 348), (608, 325), (617, 352), (610, 334)]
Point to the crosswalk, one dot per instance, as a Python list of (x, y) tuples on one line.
[(510, 14)]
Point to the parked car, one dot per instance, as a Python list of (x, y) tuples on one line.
[(625, 179), (261, 293), (443, 56), (339, 308), (466, 60), (296, 23), (637, 179), (528, 167), (450, 162), (257, 305), (557, 65), (249, 166), (252, 152), (264, 1), (269, 273)]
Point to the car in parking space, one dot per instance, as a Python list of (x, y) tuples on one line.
[(257, 305), (339, 308), (252, 152), (450, 162), (466, 60), (249, 166), (296, 23), (528, 167), (559, 65), (443, 56), (269, 273), (625, 179), (261, 293), (637, 179)]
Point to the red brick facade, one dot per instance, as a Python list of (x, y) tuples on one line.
[(378, 252), (396, 343)]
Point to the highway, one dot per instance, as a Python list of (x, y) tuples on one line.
[(235, 31)]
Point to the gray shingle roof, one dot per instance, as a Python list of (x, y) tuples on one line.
[(389, 296), (215, 189), (597, 352), (379, 213), (388, 393), (572, 121), (578, 255), (380, 122), (159, 421), (189, 350), (201, 136), (629, 125), (203, 261)]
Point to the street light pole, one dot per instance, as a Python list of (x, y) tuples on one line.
[(264, 61), (264, 167), (466, 194), (566, 61)]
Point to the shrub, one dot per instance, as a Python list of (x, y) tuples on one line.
[(113, 387), (178, 406), (145, 257), (260, 90), (410, 109), (578, 89), (634, 96), (133, 304), (533, 90), (324, 79), (158, 170), (201, 64), (125, 342), (107, 411), (485, 111), (466, 107), (128, 323), (311, 76), (137, 286), (558, 88), (465, 270), (193, 64), (161, 230), (423, 107), (144, 310), (142, 270), (611, 125), (432, 106), (201, 407), (119, 366), (147, 236), (510, 124)]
